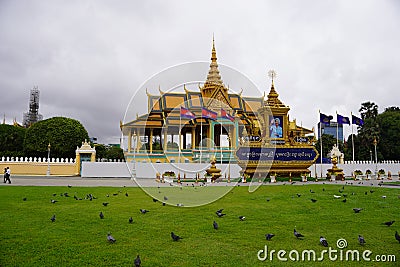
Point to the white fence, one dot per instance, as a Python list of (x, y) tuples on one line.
[(37, 159)]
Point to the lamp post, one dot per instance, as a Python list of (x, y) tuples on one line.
[(376, 157), (48, 160), (370, 152)]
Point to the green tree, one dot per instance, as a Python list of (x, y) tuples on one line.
[(388, 143), (63, 134), (11, 140), (368, 110)]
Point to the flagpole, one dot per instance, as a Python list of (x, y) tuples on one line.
[(337, 131), (201, 135), (220, 140), (180, 135), (320, 135), (352, 135)]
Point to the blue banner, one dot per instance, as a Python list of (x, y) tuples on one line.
[(278, 154)]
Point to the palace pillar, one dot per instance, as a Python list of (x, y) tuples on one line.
[(193, 137), (151, 140), (129, 140)]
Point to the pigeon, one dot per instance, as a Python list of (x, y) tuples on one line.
[(340, 191), (361, 240), (344, 195), (297, 234), (336, 196), (323, 241), (215, 224), (220, 214), (371, 191), (69, 186), (163, 203), (383, 196), (130, 220), (105, 204), (389, 223), (219, 211), (24, 199), (54, 201), (366, 193), (312, 191), (357, 210), (175, 237), (242, 218), (323, 189), (137, 261), (298, 195), (101, 215), (110, 238), (313, 200), (66, 194), (344, 200), (154, 200), (397, 236), (269, 236), (54, 194), (143, 211), (126, 194), (165, 198), (53, 218), (179, 205)]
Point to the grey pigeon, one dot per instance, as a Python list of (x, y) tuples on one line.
[(165, 198), (397, 236), (130, 220), (269, 236), (105, 204), (101, 215), (389, 223), (312, 191), (344, 200), (219, 211), (215, 224), (54, 201), (298, 195), (110, 238), (143, 211), (242, 218), (175, 237), (323, 241), (357, 210), (24, 199), (53, 218), (154, 200), (137, 261), (361, 240), (126, 194), (313, 200), (297, 234), (220, 214)]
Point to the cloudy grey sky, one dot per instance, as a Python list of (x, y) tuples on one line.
[(88, 58)]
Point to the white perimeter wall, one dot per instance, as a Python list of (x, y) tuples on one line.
[(149, 170)]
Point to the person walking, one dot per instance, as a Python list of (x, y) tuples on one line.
[(7, 175)]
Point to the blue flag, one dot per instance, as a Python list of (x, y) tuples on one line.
[(342, 119), (357, 120), (325, 119)]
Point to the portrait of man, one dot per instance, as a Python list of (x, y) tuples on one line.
[(275, 128)]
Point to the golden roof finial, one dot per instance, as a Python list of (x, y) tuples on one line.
[(273, 99), (213, 76)]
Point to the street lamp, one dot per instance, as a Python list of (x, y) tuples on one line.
[(370, 152), (376, 157), (48, 160)]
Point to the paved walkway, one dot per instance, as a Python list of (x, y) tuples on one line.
[(120, 182)]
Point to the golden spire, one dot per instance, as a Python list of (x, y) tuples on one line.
[(213, 76), (273, 99)]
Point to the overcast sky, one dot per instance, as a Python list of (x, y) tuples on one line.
[(88, 58)]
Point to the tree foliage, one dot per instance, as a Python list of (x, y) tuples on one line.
[(108, 152), (11, 140), (384, 128), (63, 134)]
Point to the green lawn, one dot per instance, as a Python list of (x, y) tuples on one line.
[(78, 236)]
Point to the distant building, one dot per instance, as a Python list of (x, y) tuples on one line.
[(32, 115), (331, 129)]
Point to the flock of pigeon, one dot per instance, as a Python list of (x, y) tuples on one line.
[(219, 213)]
